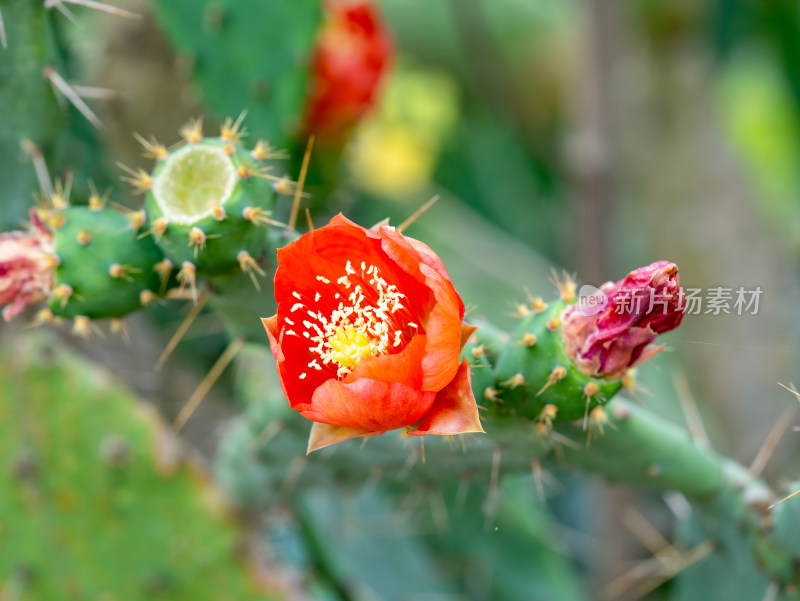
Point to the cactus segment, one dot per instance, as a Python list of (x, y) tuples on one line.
[(786, 516), (645, 450), (99, 501), (32, 117), (202, 202), (221, 38), (534, 371), (477, 353), (105, 268)]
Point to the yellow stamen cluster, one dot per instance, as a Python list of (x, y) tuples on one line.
[(369, 320)]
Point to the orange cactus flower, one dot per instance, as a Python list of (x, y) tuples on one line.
[(368, 334)]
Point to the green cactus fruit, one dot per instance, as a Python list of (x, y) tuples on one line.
[(106, 268), (479, 352), (534, 371), (208, 202)]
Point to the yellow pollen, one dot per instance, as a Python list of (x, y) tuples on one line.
[(364, 316), (348, 345)]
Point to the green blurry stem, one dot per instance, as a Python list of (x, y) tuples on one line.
[(640, 448)]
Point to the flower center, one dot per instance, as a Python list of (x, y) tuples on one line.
[(348, 345), (360, 315)]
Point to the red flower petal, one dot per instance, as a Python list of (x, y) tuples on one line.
[(368, 405), (404, 367), (296, 390), (455, 410), (444, 334)]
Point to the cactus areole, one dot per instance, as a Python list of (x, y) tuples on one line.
[(368, 334)]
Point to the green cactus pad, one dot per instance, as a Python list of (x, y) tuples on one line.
[(786, 517), (88, 245), (30, 109), (538, 349), (247, 55), (199, 190), (98, 500)]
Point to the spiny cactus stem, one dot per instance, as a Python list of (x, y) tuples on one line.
[(647, 451)]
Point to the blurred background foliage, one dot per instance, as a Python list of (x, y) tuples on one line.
[(587, 135)]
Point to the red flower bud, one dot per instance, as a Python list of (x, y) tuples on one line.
[(27, 263), (648, 302), (368, 334), (353, 52)]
